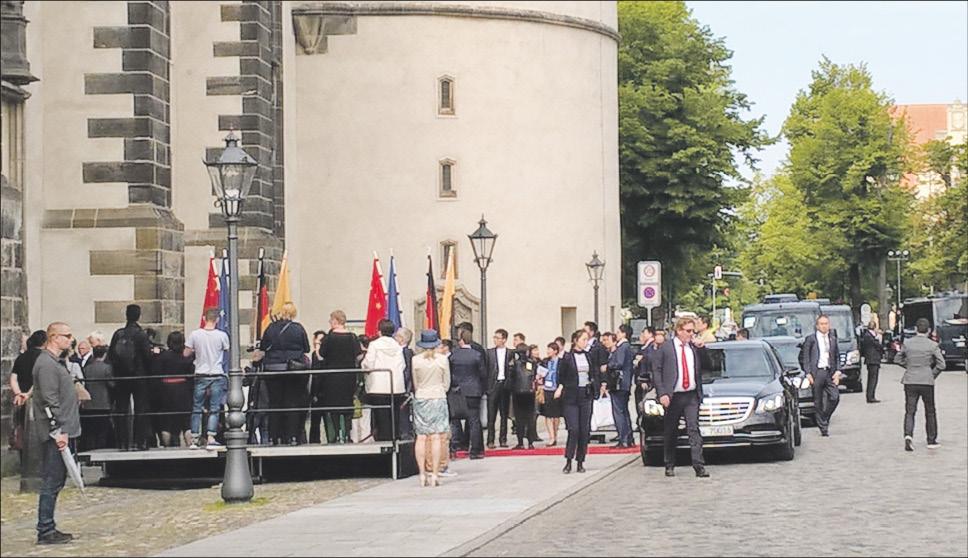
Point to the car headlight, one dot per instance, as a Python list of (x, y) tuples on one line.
[(653, 408), (853, 357), (798, 382), (770, 403)]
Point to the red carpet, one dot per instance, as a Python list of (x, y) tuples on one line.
[(557, 450)]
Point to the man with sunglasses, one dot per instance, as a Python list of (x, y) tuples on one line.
[(57, 418), (678, 382)]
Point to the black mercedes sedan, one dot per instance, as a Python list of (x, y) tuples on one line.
[(788, 352), (747, 402)]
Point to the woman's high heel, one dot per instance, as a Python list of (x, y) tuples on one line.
[(434, 480), (423, 479)]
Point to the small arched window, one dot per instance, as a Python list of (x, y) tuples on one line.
[(447, 179), (445, 98)]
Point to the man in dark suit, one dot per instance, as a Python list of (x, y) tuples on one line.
[(500, 361), (598, 352), (677, 369), (468, 372), (620, 366), (819, 359), (873, 351), (642, 364)]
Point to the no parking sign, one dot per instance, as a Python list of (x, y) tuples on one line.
[(649, 284)]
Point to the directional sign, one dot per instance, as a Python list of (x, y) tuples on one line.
[(649, 284)]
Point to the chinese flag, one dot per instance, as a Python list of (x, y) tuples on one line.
[(211, 290), (377, 309)]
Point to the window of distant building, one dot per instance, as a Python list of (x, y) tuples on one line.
[(446, 247), (445, 97), (447, 179)]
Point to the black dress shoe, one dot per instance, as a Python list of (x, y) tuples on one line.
[(873, 400), (615, 439), (825, 434), (55, 537), (490, 445), (581, 467), (503, 444), (567, 468), (701, 472), (530, 445), (670, 471), (908, 444), (620, 445), (518, 447), (477, 456)]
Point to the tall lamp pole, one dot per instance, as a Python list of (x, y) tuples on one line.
[(898, 256), (596, 270), (231, 177), (482, 242)]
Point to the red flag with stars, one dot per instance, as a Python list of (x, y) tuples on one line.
[(377, 309), (211, 290)]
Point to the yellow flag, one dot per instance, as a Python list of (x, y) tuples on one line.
[(447, 302), (282, 291)]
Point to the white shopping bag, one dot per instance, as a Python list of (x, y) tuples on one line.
[(602, 414), (361, 428)]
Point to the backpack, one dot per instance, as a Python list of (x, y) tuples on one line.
[(125, 352)]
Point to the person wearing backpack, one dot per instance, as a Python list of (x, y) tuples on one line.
[(130, 355), (522, 394)]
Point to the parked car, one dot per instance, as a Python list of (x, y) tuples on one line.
[(747, 402), (796, 319), (948, 316), (788, 352), (842, 321)]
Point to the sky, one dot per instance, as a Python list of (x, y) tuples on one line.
[(917, 52)]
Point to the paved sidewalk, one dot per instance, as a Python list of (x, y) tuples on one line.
[(402, 519)]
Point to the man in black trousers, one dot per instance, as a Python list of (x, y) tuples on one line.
[(467, 372), (870, 347), (677, 369), (130, 355), (819, 359), (500, 360)]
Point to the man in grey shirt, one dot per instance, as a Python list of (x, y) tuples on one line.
[(208, 345), (924, 362), (56, 419)]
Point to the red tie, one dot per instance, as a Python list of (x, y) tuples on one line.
[(685, 369)]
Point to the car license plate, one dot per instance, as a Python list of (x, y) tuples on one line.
[(712, 431)]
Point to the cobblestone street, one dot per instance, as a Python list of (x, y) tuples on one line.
[(855, 493), (132, 522)]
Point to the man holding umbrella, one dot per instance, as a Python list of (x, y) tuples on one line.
[(56, 419)]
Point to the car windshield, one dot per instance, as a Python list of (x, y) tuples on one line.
[(843, 322), (746, 362), (789, 353), (781, 322)]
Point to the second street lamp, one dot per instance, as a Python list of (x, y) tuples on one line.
[(231, 178), (596, 270), (482, 242)]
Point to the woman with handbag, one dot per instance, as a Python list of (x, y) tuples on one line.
[(338, 351), (550, 406), (522, 395), (579, 383), (285, 344), (431, 419)]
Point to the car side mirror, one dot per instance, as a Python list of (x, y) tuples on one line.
[(791, 372)]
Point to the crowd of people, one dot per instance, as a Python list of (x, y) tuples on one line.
[(134, 394)]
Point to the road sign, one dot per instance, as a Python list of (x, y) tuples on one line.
[(865, 314), (718, 272), (649, 284)]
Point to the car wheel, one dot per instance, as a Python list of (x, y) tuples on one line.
[(787, 450)]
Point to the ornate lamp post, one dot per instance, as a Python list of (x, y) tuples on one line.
[(899, 256), (231, 178), (482, 242), (596, 270)]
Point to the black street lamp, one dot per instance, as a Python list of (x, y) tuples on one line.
[(231, 178), (596, 270), (482, 242), (898, 256)]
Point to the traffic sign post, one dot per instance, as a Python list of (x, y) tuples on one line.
[(649, 281)]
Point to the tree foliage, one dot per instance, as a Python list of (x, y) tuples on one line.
[(846, 155), (680, 122)]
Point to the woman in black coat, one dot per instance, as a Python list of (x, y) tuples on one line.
[(285, 342), (339, 350), (579, 383), (174, 395)]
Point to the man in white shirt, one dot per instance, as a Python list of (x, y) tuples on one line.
[(499, 361), (208, 345), (819, 359)]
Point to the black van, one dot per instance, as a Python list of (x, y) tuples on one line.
[(948, 315)]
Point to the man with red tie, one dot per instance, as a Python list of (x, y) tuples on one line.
[(677, 371)]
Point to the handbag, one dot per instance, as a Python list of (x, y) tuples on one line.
[(539, 396), (457, 404), (602, 414), (297, 363)]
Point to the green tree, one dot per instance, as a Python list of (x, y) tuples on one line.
[(939, 158), (939, 232), (846, 154), (679, 125)]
